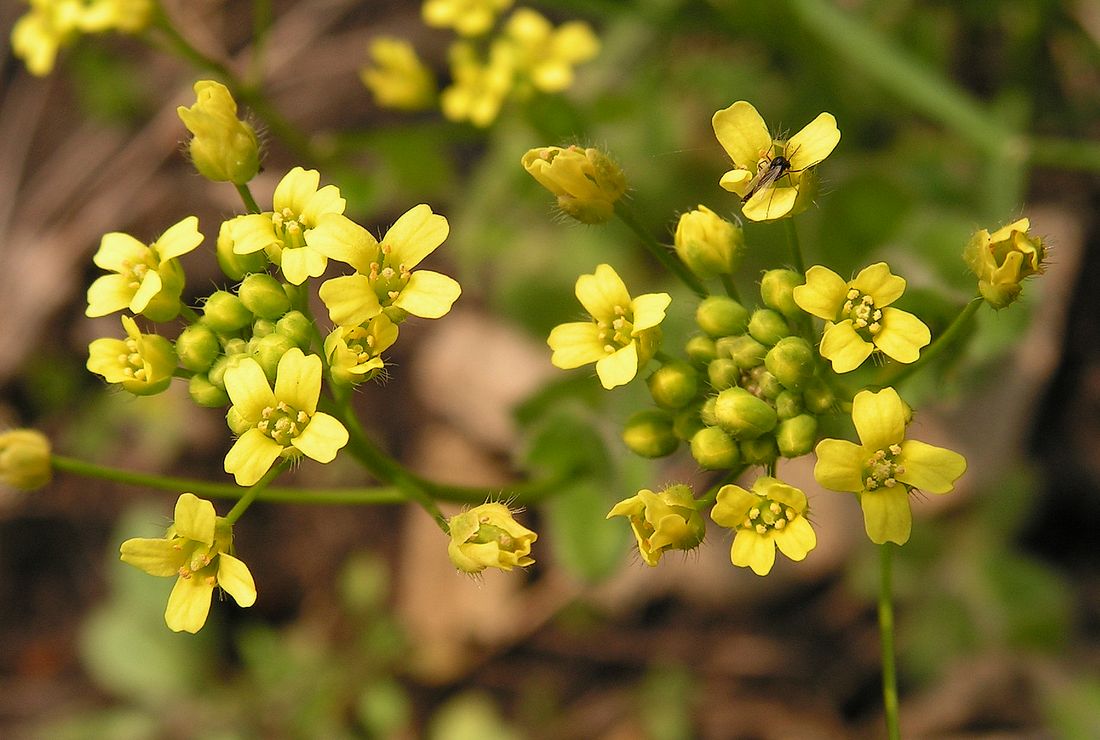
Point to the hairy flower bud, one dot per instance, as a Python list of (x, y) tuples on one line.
[(701, 349), (743, 415), (487, 536), (663, 521), (24, 459), (648, 433), (768, 327), (777, 291), (744, 350), (713, 449), (205, 393), (791, 361), (673, 385), (297, 327), (197, 347), (759, 451), (223, 148), (720, 316), (709, 244), (796, 436), (587, 182), (264, 296), (1003, 260), (225, 313)]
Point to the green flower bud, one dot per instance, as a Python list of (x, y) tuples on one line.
[(763, 384), (701, 349), (236, 266), (648, 433), (768, 327), (223, 149), (686, 422), (720, 316), (777, 291), (1003, 260), (713, 449), (818, 396), (296, 327), (205, 393), (587, 182), (706, 411), (796, 436), (673, 385), (264, 296), (791, 361), (722, 373), (668, 520), (197, 347), (788, 404), (262, 327), (269, 350), (709, 244), (744, 415), (24, 459), (224, 313), (759, 451), (745, 351)]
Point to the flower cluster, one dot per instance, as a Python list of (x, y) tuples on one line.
[(49, 25), (756, 384), (527, 55)]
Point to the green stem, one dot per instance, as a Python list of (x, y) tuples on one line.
[(261, 24), (886, 631), (189, 314), (254, 490), (627, 215), (731, 289), (795, 247), (942, 344), (246, 196)]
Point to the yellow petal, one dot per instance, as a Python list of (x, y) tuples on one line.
[(886, 515), (575, 344), (813, 143), (879, 418), (157, 557), (179, 239), (902, 335), (770, 204), (824, 293), (194, 519), (350, 300), (416, 235), (878, 282), (295, 190), (325, 201), (839, 465), (796, 539), (742, 133), (251, 457), (844, 347), (649, 310), (118, 251), (339, 238), (107, 294), (929, 468), (252, 233), (150, 285), (754, 550), (736, 181), (428, 294), (618, 368), (602, 292), (732, 505), (298, 380), (301, 263), (235, 578), (322, 438), (189, 604), (247, 387)]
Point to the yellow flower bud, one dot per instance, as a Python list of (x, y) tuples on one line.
[(1003, 260), (24, 459), (709, 244), (668, 520), (487, 536), (586, 182), (223, 148)]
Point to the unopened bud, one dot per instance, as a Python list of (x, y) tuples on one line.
[(791, 361), (743, 415), (709, 244), (264, 296), (796, 436), (777, 291), (713, 449), (648, 433), (768, 327), (759, 451), (25, 459), (701, 349), (720, 316), (223, 148), (224, 313), (197, 347), (205, 393), (673, 385)]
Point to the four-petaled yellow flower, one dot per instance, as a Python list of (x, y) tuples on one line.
[(198, 550), (147, 279), (546, 55), (354, 353), (478, 88), (143, 364), (885, 466), (396, 76), (384, 279), (280, 423), (467, 17), (772, 515), (859, 318), (621, 338), (487, 536), (772, 177), (1003, 260), (663, 521), (287, 231), (49, 25)]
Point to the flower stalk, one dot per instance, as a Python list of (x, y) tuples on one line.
[(886, 632)]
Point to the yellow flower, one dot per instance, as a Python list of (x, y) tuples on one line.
[(1003, 260), (147, 279), (198, 550), (354, 353), (467, 17), (280, 423), (223, 148), (858, 316), (286, 232), (885, 466), (586, 182), (25, 459), (663, 521), (773, 178), (143, 364), (385, 279), (49, 25), (709, 244), (621, 338), (545, 55), (487, 536), (772, 515), (396, 76), (478, 89)]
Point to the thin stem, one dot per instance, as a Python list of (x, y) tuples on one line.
[(627, 215), (796, 249), (189, 314), (254, 490), (246, 196), (886, 631), (327, 496), (731, 289), (943, 342)]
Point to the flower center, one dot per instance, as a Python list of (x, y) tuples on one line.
[(196, 557), (282, 422), (361, 343), (135, 272), (768, 516), (860, 308), (489, 533), (132, 363), (882, 468), (388, 280), (619, 331), (289, 228)]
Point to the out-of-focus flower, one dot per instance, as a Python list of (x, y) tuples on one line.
[(396, 76), (467, 17), (25, 459), (586, 182)]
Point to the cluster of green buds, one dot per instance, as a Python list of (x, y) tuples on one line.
[(490, 62)]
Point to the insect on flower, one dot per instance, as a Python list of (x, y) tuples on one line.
[(769, 171)]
